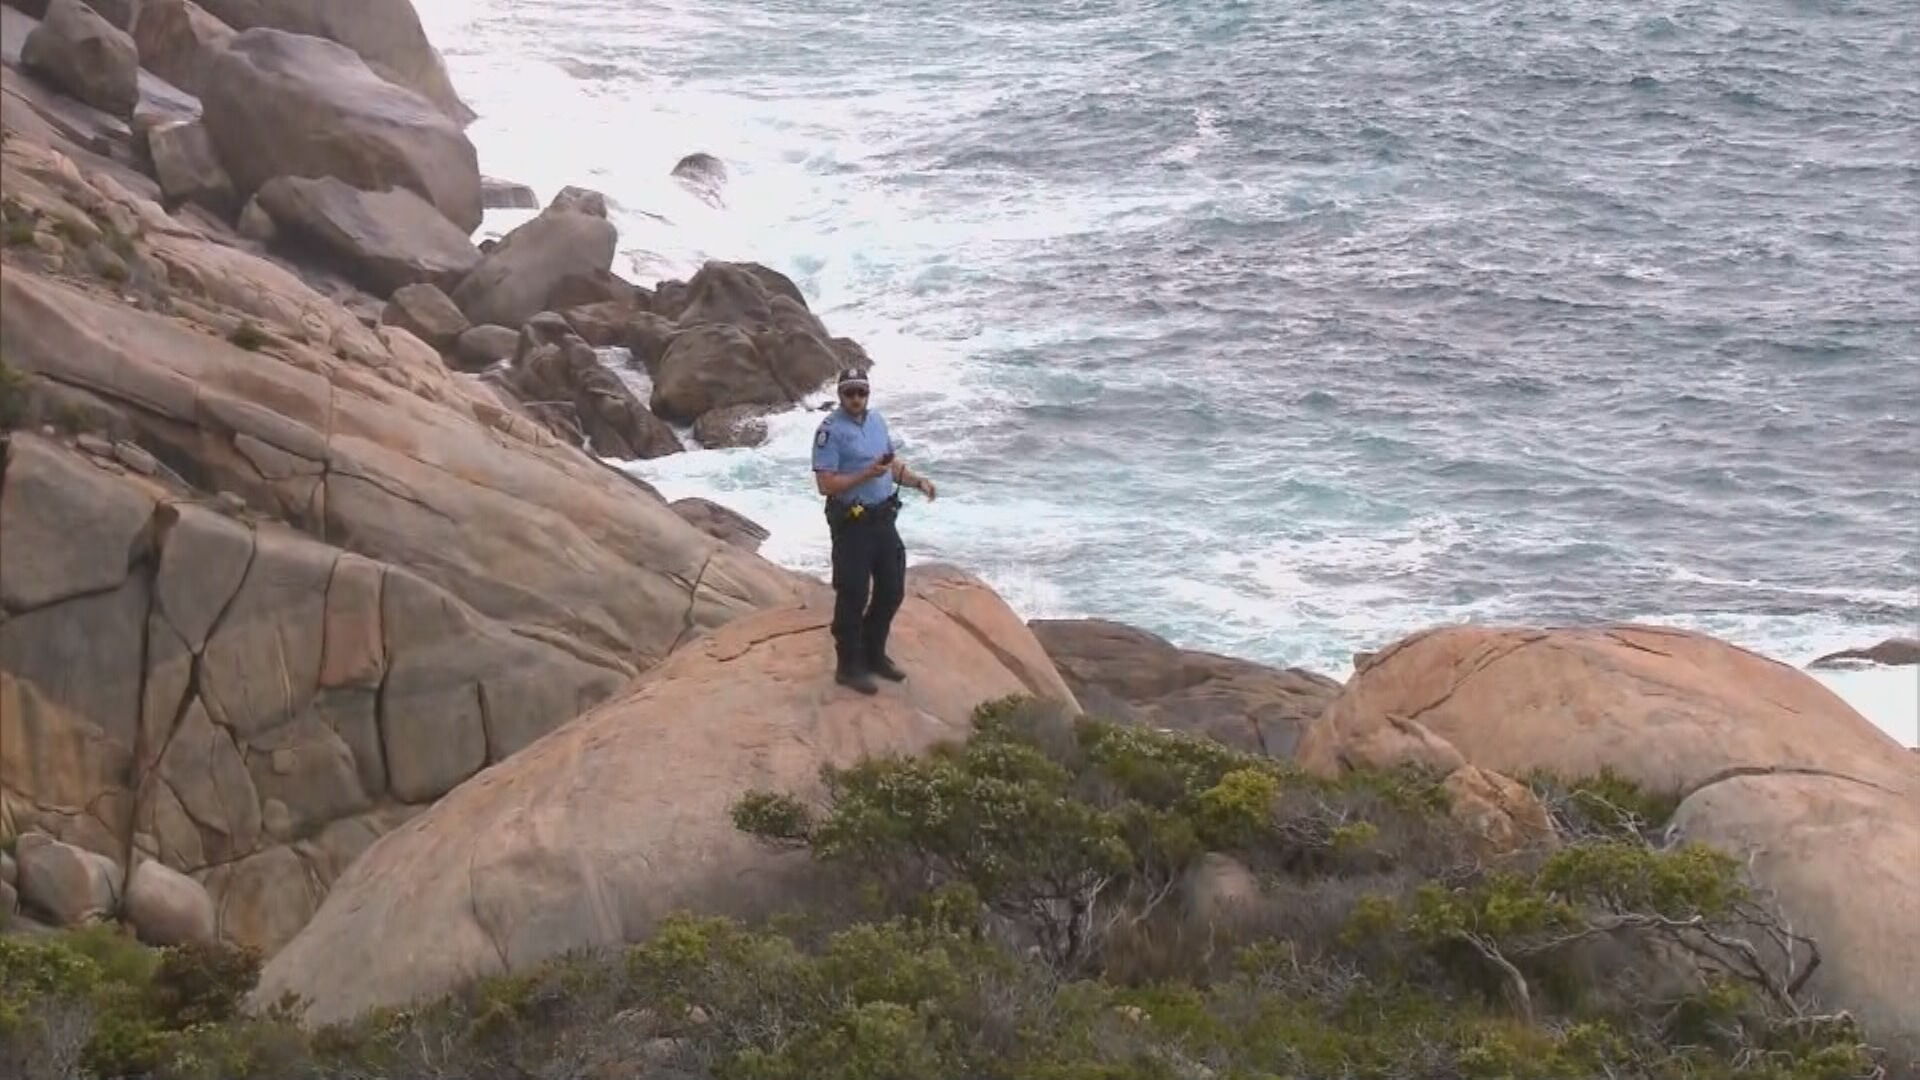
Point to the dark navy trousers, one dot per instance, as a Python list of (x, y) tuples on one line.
[(869, 581)]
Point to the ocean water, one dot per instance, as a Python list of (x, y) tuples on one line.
[(1284, 330)]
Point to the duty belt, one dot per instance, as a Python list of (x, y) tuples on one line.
[(860, 512)]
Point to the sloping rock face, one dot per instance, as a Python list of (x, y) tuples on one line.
[(242, 693), (1130, 675), (278, 104), (385, 33), (341, 455), (604, 826), (296, 590), (718, 521), (1771, 766)]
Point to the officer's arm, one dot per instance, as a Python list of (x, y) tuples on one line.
[(833, 483), (826, 461), (901, 474)]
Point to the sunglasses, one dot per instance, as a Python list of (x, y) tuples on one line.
[(854, 391)]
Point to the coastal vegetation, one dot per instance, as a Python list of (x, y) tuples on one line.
[(1068, 900)]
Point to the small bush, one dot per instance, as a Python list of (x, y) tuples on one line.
[(248, 336), (1607, 804), (117, 241), (13, 413), (96, 1002), (69, 417), (203, 984), (780, 818)]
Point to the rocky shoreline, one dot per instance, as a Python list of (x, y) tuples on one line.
[(325, 630)]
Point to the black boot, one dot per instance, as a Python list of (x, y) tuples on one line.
[(855, 677), (884, 667)]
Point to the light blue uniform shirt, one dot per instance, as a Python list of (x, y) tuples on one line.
[(846, 445)]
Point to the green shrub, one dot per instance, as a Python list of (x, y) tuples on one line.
[(116, 241), (1377, 952), (248, 336), (1606, 804), (95, 1000), (202, 984), (13, 401), (71, 233), (774, 817)]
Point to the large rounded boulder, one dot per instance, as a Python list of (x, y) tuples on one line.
[(517, 280), (1669, 709), (85, 55), (379, 240), (280, 104), (385, 33), (177, 40), (744, 337), (713, 367), (1822, 807), (594, 833), (1843, 858)]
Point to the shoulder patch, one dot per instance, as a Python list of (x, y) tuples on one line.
[(820, 437)]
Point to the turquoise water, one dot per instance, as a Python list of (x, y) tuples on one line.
[(1284, 330)]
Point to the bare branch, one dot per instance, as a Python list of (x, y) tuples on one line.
[(1516, 982)]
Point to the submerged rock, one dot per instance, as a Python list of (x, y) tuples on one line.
[(1893, 652), (704, 175)]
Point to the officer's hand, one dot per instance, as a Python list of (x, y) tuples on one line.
[(875, 469), (926, 486)]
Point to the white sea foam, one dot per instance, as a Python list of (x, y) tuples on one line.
[(868, 245)]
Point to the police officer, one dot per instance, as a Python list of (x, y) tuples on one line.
[(855, 468)]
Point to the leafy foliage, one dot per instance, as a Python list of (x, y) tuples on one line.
[(96, 1000), (1606, 804), (13, 396), (1034, 904), (248, 335)]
